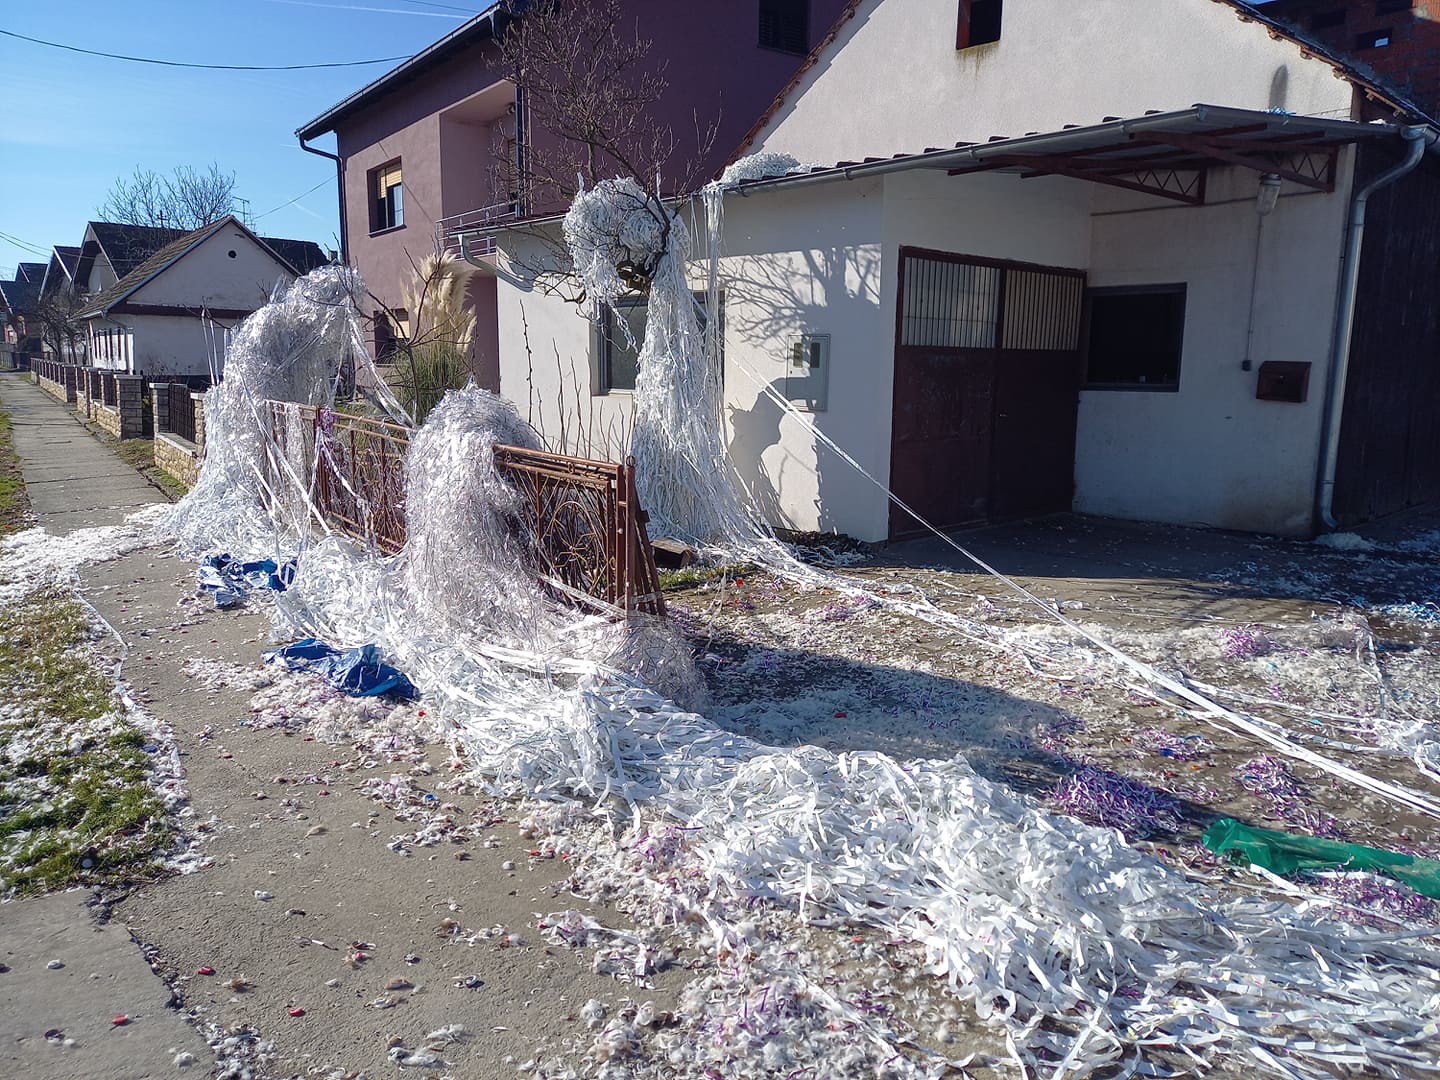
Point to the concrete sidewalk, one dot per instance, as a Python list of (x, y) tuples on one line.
[(59, 1022), (283, 815), (72, 479)]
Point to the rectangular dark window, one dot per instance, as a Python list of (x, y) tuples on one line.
[(1375, 39), (387, 197), (979, 23), (619, 356), (619, 352), (1392, 7), (785, 26), (1135, 338), (392, 330), (1327, 20)]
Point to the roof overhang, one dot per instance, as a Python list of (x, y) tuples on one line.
[(486, 24), (1166, 154)]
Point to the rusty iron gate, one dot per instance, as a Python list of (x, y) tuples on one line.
[(589, 529), (589, 526), (987, 381)]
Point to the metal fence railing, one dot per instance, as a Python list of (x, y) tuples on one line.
[(182, 409), (448, 230), (589, 528)]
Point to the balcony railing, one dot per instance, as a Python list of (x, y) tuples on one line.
[(449, 230)]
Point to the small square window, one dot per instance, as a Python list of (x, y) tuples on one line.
[(785, 26), (979, 23), (618, 357), (1392, 7), (1375, 39), (1135, 338), (392, 330), (387, 197), (619, 352)]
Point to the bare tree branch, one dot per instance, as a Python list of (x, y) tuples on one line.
[(591, 84), (186, 199)]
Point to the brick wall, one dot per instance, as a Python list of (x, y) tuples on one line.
[(178, 457), (1410, 58)]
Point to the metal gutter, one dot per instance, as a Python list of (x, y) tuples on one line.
[(340, 187), (1420, 139), (435, 51)]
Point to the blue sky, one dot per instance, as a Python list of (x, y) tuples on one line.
[(72, 124)]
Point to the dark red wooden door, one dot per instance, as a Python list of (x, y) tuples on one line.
[(987, 373), (940, 453), (1033, 458)]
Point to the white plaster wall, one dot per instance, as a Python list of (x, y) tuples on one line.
[(808, 261), (208, 276), (893, 81), (778, 282), (168, 345), (546, 355), (1211, 454)]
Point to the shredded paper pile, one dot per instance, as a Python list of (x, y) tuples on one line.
[(1083, 952)]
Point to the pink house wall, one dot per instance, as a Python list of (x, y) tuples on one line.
[(717, 73)]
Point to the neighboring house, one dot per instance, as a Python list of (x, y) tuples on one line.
[(1398, 39), (159, 318), (438, 144), (1029, 275), (18, 298), (111, 250), (58, 302)]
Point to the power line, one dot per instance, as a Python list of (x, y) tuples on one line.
[(24, 245), (205, 67), (297, 198), (442, 7)]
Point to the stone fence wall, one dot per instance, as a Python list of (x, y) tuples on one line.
[(179, 417)]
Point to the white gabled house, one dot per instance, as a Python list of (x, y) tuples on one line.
[(1031, 274), (153, 308)]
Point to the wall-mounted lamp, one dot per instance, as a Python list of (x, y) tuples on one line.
[(1269, 194)]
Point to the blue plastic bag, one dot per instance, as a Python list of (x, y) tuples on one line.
[(358, 672)]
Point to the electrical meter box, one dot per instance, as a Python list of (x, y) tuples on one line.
[(1283, 380), (807, 372)]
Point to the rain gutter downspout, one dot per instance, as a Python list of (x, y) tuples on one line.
[(340, 186), (1419, 139)]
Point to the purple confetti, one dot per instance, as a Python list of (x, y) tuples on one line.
[(1366, 895), (1244, 642), (1271, 779), (1100, 797)]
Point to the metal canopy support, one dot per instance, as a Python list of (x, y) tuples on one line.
[(1174, 164), (1149, 176), (1279, 156)]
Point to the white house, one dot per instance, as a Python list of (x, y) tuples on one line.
[(158, 315), (1030, 274)]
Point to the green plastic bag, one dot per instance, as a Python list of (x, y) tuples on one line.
[(1287, 853)]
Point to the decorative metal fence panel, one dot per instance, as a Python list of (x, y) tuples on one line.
[(591, 542), (589, 524), (182, 411)]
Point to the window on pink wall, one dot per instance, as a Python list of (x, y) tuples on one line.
[(979, 23), (387, 197), (785, 26)]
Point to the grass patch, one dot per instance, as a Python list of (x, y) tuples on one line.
[(139, 454), (76, 805), (697, 574), (14, 503)]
